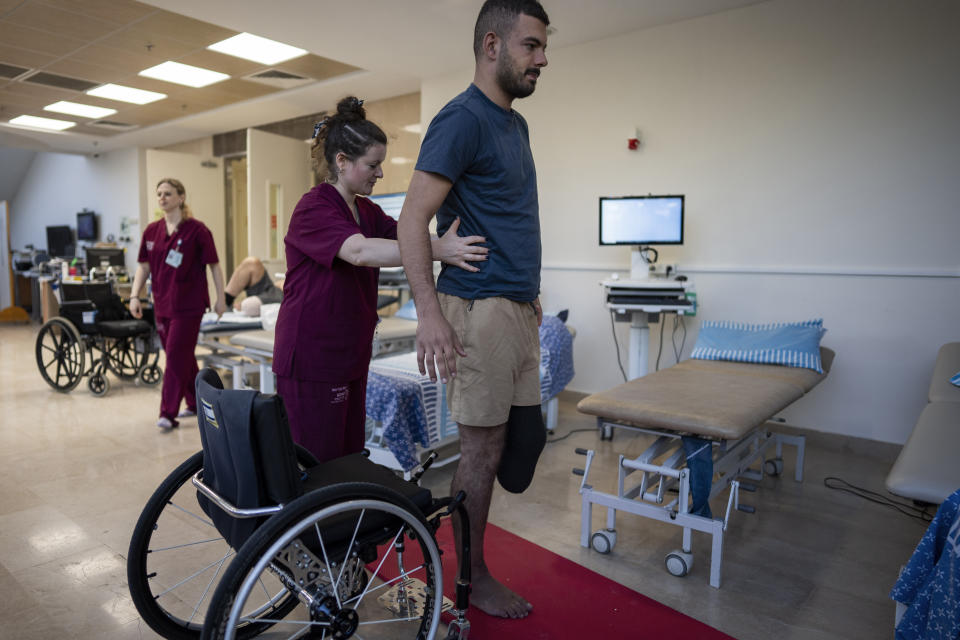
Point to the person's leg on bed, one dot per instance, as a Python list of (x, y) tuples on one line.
[(247, 273)]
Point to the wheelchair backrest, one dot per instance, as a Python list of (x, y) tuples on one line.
[(108, 304), (248, 454)]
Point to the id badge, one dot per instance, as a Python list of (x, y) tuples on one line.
[(174, 258)]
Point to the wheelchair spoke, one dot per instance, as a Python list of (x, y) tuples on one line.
[(343, 565), (203, 595), (367, 588), (181, 546), (217, 563), (192, 514)]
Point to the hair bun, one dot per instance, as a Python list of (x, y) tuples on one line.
[(352, 106)]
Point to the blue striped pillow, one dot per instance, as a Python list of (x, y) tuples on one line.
[(955, 380), (792, 344)]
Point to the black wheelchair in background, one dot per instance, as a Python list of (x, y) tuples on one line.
[(251, 535), (94, 323)]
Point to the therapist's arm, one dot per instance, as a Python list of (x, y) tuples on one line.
[(139, 278), (452, 249), (220, 306), (437, 343)]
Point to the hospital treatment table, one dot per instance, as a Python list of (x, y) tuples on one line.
[(722, 407)]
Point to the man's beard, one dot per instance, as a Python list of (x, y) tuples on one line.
[(513, 82)]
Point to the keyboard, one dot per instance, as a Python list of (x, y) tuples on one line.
[(659, 301)]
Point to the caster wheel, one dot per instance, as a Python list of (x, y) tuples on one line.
[(603, 540), (98, 383), (679, 563), (151, 375), (773, 467)]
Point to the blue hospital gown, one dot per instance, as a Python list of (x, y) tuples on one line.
[(930, 583)]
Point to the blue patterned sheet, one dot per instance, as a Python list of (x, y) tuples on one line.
[(930, 583), (412, 409)]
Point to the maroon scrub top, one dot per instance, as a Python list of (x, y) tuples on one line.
[(328, 315), (180, 290)]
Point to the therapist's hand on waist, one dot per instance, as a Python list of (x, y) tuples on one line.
[(437, 347), (460, 252)]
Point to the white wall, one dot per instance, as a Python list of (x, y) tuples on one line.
[(58, 185), (816, 144)]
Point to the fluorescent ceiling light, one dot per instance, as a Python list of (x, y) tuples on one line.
[(126, 94), (413, 128), (184, 74), (82, 110), (257, 49), (42, 123), (401, 160)]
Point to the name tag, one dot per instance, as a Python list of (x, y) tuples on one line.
[(174, 257), (149, 245)]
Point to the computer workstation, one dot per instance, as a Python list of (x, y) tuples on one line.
[(641, 222)]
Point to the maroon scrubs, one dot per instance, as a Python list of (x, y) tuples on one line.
[(324, 333), (179, 299)]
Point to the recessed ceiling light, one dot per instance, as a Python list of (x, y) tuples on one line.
[(82, 110), (257, 49), (413, 128), (184, 74), (126, 94), (401, 160), (42, 123)]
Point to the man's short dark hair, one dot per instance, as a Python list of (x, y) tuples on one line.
[(499, 17)]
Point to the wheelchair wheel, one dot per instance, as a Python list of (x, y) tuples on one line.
[(122, 357), (151, 375), (60, 354), (177, 556), (98, 383), (318, 546)]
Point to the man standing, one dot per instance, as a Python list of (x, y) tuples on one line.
[(478, 331)]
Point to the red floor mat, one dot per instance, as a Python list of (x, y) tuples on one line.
[(569, 601)]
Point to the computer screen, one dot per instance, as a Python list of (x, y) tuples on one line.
[(641, 220), (60, 243), (100, 257), (86, 225), (391, 203)]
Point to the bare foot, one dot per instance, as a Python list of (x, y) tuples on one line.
[(494, 598)]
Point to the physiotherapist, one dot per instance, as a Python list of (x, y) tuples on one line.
[(335, 245), (175, 252)]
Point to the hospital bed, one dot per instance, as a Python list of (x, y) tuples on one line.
[(728, 405)]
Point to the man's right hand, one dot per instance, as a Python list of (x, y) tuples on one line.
[(437, 347), (135, 309)]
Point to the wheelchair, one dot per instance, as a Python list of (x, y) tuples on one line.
[(252, 536), (94, 323)]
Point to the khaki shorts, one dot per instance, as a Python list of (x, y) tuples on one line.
[(502, 366)]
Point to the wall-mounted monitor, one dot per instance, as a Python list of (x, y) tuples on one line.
[(60, 243), (102, 257), (87, 225), (391, 203), (641, 220)]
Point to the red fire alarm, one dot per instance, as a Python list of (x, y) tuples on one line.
[(633, 139)]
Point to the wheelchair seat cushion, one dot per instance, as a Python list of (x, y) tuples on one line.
[(123, 328), (357, 467)]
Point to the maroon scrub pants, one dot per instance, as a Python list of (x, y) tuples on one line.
[(326, 418), (178, 335)]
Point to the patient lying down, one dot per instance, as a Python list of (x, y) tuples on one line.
[(251, 278)]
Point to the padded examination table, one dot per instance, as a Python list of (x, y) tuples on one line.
[(724, 407)]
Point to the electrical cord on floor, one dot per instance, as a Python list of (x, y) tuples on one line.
[(567, 435), (912, 510), (613, 329), (678, 320), (660, 348)]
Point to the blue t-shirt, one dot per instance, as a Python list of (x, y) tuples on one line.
[(484, 151)]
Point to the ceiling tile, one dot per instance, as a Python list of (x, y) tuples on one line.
[(50, 94), (17, 102), (152, 43), (53, 20), (242, 89), (125, 62), (92, 72), (316, 67), (15, 35), (24, 58), (115, 11), (195, 32)]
